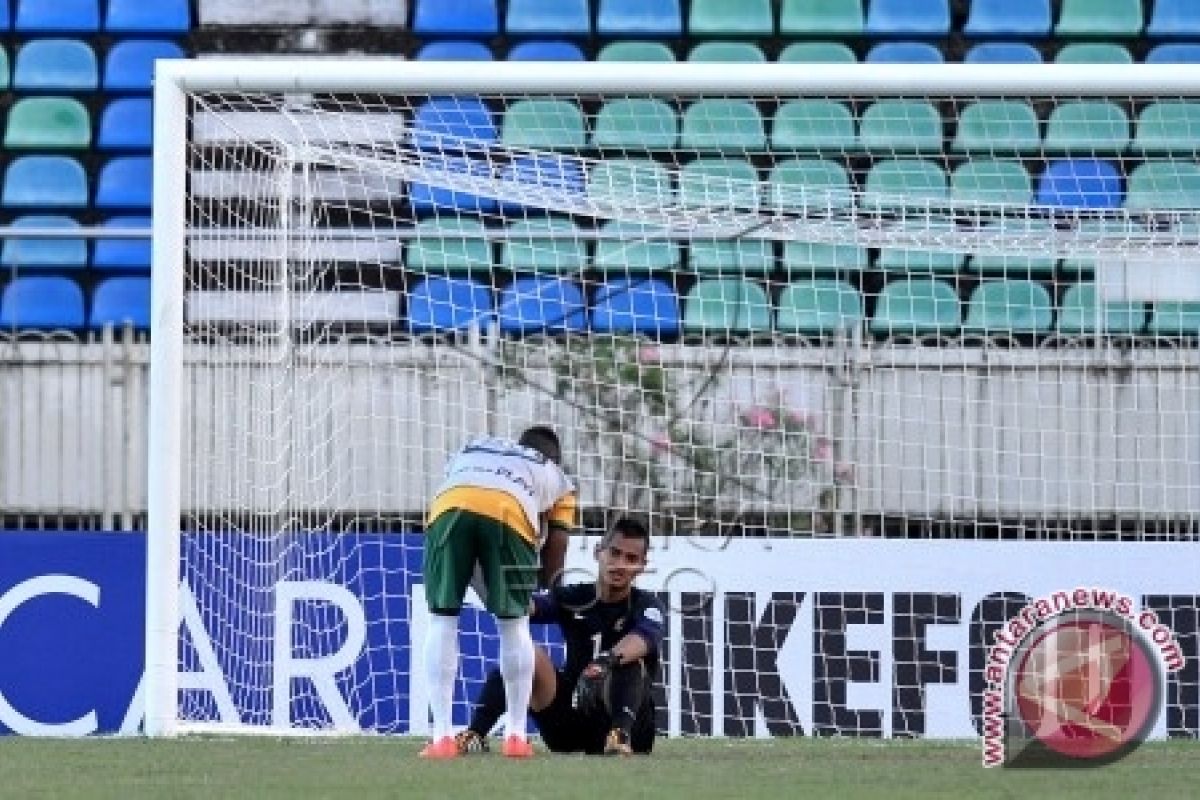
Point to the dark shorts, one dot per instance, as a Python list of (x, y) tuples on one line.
[(565, 730), (458, 543)]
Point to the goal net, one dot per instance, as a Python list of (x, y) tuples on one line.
[(763, 308)]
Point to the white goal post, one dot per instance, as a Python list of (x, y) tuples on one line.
[(854, 346)]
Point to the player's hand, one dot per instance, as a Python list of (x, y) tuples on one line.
[(590, 691)]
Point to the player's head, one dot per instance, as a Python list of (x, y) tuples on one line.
[(544, 440), (621, 554)]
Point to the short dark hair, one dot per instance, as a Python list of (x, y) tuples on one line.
[(543, 439), (630, 528)]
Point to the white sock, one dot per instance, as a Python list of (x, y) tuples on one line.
[(516, 666), (441, 668)]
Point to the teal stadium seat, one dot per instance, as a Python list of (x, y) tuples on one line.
[(628, 247), (916, 307), (809, 185), (1009, 307), (636, 51), (48, 123), (445, 246), (731, 18), (630, 181), (997, 127), (818, 307), (1168, 127), (906, 183), (656, 18), (819, 258), (636, 123), (921, 262), (1094, 53), (727, 53), (1078, 313), (1100, 18), (715, 183), (817, 53), (526, 248), (1003, 263), (991, 180), (723, 125), (1087, 127), (726, 306), (901, 126), (814, 126), (1175, 319), (843, 18), (1164, 184), (543, 124)]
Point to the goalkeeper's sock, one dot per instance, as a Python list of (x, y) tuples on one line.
[(516, 667), (441, 667), (489, 706), (626, 691)]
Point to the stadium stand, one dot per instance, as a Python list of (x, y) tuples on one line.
[(731, 18), (905, 53), (546, 51), (1003, 53)]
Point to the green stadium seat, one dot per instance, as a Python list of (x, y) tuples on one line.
[(727, 53), (819, 258), (719, 183), (41, 123), (639, 123), (731, 18), (726, 306), (639, 182), (914, 307), (1087, 127), (723, 125), (1164, 184), (809, 184), (901, 126), (1078, 313), (990, 180), (813, 125), (1009, 306), (746, 256), (444, 246), (905, 183), (636, 51), (1094, 53), (818, 307), (637, 248), (1084, 266), (526, 250), (813, 17), (997, 126), (1170, 126), (1011, 265), (4, 72), (543, 124), (817, 53), (1103, 18), (1175, 319)]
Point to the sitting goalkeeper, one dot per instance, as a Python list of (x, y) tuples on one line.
[(600, 701)]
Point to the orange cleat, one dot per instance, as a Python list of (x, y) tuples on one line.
[(440, 749), (517, 747)]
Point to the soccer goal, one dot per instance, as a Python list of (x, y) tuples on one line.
[(876, 349)]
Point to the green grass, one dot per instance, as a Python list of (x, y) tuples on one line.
[(692, 769)]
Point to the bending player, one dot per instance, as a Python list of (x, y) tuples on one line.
[(485, 530), (600, 701)]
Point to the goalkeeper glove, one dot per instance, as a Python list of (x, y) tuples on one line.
[(591, 691)]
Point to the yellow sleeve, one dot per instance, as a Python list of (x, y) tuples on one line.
[(565, 512)]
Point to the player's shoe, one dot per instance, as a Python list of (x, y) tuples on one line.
[(440, 749), (517, 747), (617, 743), (468, 742)]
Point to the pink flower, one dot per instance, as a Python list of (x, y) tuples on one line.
[(759, 417), (843, 472), (822, 450), (649, 354), (660, 444)]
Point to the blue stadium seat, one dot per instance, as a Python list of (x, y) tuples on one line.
[(549, 17), (1008, 18), (1174, 19), (126, 124), (544, 173), (123, 255), (124, 183), (455, 51), (655, 18), (456, 17), (5, 16), (1080, 183), (426, 198), (55, 65), (139, 16), (438, 123), (57, 16), (120, 302), (542, 305), (440, 304), (546, 51), (129, 66), (904, 53), (45, 182), (42, 303), (905, 18), (66, 254), (1174, 54), (1003, 53), (628, 305)]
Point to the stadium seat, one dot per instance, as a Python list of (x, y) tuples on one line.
[(645, 306), (1030, 18), (636, 51), (538, 174), (59, 254), (42, 303), (1174, 19), (817, 53), (124, 182), (439, 304), (453, 50), (746, 256), (45, 182), (543, 124), (726, 306), (821, 17), (126, 124), (1087, 127), (1078, 313), (817, 258), (1009, 306), (717, 183), (448, 245), (636, 123), (1080, 183), (655, 18), (455, 18), (1174, 54), (120, 302), (5, 16), (5, 81), (549, 17), (1084, 266), (723, 125), (727, 53), (900, 183), (441, 123), (129, 66), (57, 16), (1164, 184), (1006, 264), (624, 182), (809, 185), (55, 65), (987, 180), (546, 51), (901, 126), (731, 18), (1094, 53), (1003, 53), (426, 198), (1099, 18), (1170, 126), (628, 247), (1175, 319), (41, 123), (542, 305), (997, 126), (525, 249), (123, 255), (818, 307), (139, 16), (904, 53), (814, 126), (916, 306), (920, 262), (904, 18)]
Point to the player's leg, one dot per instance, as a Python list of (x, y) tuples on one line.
[(563, 729), (627, 688), (645, 729), (490, 703)]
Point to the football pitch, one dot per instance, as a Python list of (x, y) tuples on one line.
[(371, 767)]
